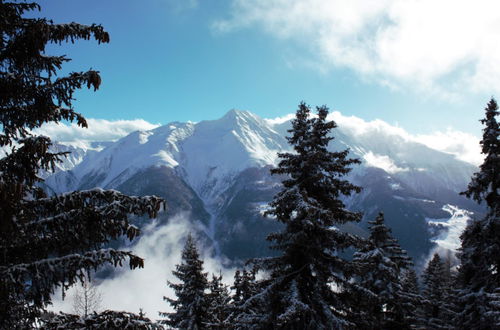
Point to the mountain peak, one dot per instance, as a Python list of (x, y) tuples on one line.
[(236, 116)]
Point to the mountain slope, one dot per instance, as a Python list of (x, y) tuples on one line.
[(217, 172)]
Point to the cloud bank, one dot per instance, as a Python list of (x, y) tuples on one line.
[(161, 247), (441, 47), (98, 130), (463, 146)]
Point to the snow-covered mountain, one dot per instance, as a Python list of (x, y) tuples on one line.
[(218, 171)]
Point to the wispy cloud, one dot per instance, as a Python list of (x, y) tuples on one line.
[(98, 130), (441, 47), (383, 162), (463, 145)]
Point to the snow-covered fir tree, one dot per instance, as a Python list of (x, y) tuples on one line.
[(438, 307), (485, 184), (244, 287), (46, 242), (190, 307), (218, 300), (411, 299), (379, 266), (479, 272), (304, 284)]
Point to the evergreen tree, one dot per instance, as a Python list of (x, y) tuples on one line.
[(379, 266), (437, 304), (242, 308), (47, 242), (411, 299), (479, 272), (218, 299), (191, 303), (485, 184), (244, 285), (298, 292)]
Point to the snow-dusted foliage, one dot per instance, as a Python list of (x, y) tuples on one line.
[(485, 184), (411, 299), (241, 306), (479, 273), (303, 287), (191, 304), (218, 300), (48, 242), (109, 320), (378, 267), (438, 303)]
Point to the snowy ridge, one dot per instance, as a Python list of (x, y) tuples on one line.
[(209, 154)]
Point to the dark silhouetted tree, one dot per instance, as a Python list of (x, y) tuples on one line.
[(218, 300), (303, 285), (437, 294), (411, 299), (244, 287), (46, 242), (379, 267), (479, 272), (191, 303)]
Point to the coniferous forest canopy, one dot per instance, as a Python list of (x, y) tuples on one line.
[(318, 273)]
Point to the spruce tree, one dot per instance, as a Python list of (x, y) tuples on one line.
[(411, 299), (242, 308), (244, 285), (438, 302), (46, 242), (303, 283), (379, 266), (479, 272), (191, 303), (485, 184), (218, 300)]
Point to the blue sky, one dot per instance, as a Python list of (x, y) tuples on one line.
[(421, 66)]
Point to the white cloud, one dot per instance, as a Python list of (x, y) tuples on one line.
[(98, 130), (161, 247), (383, 162), (463, 145), (358, 126), (440, 47), (280, 120)]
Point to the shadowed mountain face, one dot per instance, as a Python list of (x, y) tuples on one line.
[(217, 173)]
